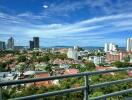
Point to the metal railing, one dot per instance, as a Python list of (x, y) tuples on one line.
[(86, 88)]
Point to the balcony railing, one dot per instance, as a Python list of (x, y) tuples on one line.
[(86, 88)]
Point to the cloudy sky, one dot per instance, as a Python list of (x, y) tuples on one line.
[(66, 22)]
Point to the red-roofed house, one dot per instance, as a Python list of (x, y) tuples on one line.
[(130, 73), (71, 71), (101, 68), (42, 75)]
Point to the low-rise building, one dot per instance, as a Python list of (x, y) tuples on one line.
[(71, 71), (6, 76), (130, 73), (101, 68), (97, 60), (65, 66), (42, 75), (58, 71), (116, 56)]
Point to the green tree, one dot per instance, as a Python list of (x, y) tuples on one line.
[(49, 69), (117, 64), (127, 59), (120, 64), (97, 93), (45, 58), (101, 64), (22, 58), (2, 67), (89, 65), (21, 67)]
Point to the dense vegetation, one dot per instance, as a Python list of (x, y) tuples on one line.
[(72, 83), (19, 91)]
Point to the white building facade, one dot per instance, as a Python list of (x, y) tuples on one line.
[(129, 44), (72, 53), (97, 60), (110, 47)]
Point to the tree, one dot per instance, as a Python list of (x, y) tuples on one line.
[(73, 65), (101, 64), (127, 59), (49, 69), (89, 65), (125, 64), (22, 58), (21, 67), (120, 64), (117, 64), (3, 66), (97, 93), (60, 56), (45, 58)]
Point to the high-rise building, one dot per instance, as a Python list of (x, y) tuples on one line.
[(129, 44), (31, 44), (76, 47), (73, 54), (2, 45), (113, 47), (106, 47), (36, 42), (10, 43), (110, 47)]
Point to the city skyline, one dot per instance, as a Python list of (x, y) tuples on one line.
[(66, 22)]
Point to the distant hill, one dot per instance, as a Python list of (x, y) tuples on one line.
[(59, 47), (86, 47)]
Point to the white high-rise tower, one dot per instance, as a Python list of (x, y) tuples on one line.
[(106, 47), (129, 44), (72, 54), (110, 47)]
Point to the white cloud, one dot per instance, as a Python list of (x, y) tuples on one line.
[(45, 6), (84, 31), (107, 7)]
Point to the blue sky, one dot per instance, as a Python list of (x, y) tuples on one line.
[(66, 22)]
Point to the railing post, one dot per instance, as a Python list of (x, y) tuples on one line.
[(1, 93), (87, 88)]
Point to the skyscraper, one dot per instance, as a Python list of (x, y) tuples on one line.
[(36, 42), (110, 47), (129, 44), (31, 44), (10, 43), (106, 47), (73, 54), (2, 45)]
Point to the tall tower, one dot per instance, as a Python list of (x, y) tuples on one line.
[(73, 54), (36, 42), (31, 44), (106, 47), (129, 44), (2, 45), (10, 43)]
